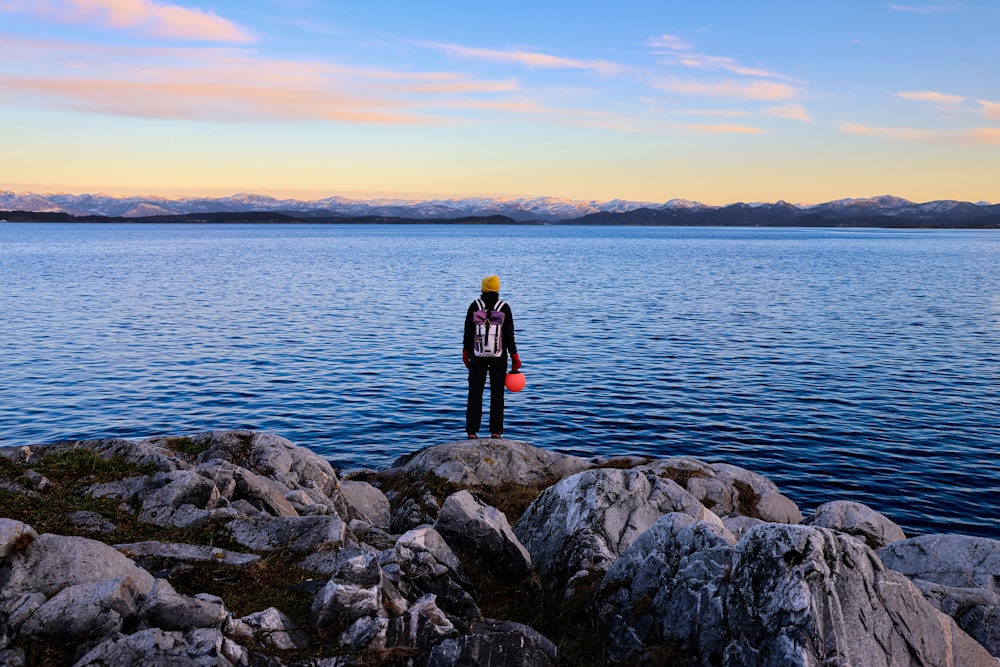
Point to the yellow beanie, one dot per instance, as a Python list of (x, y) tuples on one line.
[(491, 284)]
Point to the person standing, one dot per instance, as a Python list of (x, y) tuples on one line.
[(486, 346)]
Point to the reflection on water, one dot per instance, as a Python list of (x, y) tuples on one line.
[(855, 364)]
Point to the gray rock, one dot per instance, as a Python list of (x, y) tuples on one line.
[(166, 493), (13, 657), (949, 560), (15, 536), (576, 529), (91, 522), (341, 602), (273, 630), (498, 644), (55, 562), (265, 494), (801, 595), (273, 457), (976, 610), (195, 648), (739, 525), (421, 626), (185, 553), (167, 609), (365, 634), (426, 564), (729, 490), (298, 534), (877, 530), (365, 502), (491, 463), (84, 611), (482, 533), (667, 592)]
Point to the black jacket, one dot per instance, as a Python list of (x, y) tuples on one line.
[(506, 333)]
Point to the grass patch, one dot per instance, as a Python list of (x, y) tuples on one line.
[(70, 472), (187, 446), (270, 582), (575, 632)]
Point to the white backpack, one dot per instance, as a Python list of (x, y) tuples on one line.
[(488, 322)]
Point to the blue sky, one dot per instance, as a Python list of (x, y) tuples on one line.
[(710, 101)]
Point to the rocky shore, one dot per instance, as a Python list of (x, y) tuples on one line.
[(240, 548)]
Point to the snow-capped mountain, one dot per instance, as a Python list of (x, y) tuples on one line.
[(524, 209)]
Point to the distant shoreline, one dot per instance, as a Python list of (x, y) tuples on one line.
[(748, 217)]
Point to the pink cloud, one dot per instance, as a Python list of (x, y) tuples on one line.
[(753, 90), (529, 59), (990, 109), (932, 97), (983, 135), (790, 111), (724, 129), (145, 17)]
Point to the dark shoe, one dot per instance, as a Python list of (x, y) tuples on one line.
[(473, 436), (496, 436)]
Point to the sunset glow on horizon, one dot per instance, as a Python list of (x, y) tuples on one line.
[(640, 100)]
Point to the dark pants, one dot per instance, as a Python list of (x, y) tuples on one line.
[(479, 367)]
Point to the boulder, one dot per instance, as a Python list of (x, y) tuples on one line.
[(15, 536), (490, 463), (421, 626), (297, 534), (950, 560), (496, 644), (667, 593), (197, 648), (273, 630), (877, 530), (54, 562), (577, 528), (275, 458), (184, 553), (366, 503), (167, 609), (84, 611), (976, 610), (480, 532), (421, 562), (728, 490), (802, 595)]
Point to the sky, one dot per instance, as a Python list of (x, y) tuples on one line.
[(715, 101)]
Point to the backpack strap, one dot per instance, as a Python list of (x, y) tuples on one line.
[(499, 305), (480, 305)]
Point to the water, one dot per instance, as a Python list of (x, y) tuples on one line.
[(843, 364)]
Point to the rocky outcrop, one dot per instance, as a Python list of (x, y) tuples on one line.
[(460, 554), (578, 527)]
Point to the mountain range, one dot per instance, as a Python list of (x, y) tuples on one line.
[(884, 211)]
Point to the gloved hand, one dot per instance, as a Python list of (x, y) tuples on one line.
[(465, 358), (515, 362)]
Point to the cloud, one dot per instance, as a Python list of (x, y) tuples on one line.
[(529, 59), (670, 42), (675, 51), (940, 8), (932, 97), (239, 85), (723, 129), (990, 109), (789, 111), (982, 135), (145, 17), (753, 90)]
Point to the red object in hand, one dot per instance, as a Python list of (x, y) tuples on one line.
[(516, 363), (465, 358), (514, 381)]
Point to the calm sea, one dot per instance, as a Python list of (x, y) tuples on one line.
[(850, 364)]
